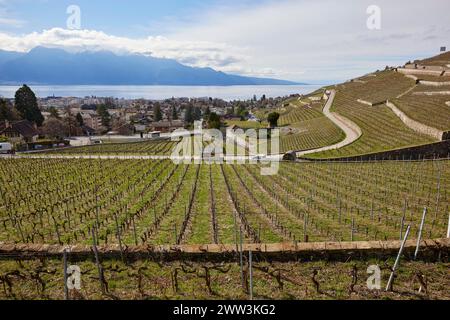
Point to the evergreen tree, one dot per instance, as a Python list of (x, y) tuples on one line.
[(7, 112), (189, 115), (273, 119), (197, 113), (213, 121), (27, 106), (80, 120), (102, 111), (157, 114), (174, 113)]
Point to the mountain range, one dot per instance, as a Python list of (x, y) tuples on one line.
[(49, 66)]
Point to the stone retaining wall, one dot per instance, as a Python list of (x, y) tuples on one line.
[(415, 125), (420, 71), (432, 93), (275, 251), (438, 150), (371, 104), (434, 83)]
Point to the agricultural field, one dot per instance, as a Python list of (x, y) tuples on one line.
[(377, 87), (304, 126), (136, 148), (129, 202), (312, 134), (441, 60), (430, 110), (382, 129), (146, 280)]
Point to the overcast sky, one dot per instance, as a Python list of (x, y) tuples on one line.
[(316, 41)]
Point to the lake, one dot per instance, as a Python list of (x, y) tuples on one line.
[(163, 92)]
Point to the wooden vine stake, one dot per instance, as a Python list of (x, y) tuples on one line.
[(97, 262), (241, 258), (66, 289), (250, 265), (119, 237)]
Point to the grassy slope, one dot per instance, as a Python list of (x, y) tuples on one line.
[(382, 129)]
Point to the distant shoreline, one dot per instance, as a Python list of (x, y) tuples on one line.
[(154, 92)]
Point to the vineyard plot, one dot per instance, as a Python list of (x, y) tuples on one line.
[(135, 202)]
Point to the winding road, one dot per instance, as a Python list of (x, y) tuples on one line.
[(351, 130)]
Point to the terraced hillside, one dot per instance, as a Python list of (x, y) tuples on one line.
[(442, 60), (377, 87), (382, 129), (60, 201), (432, 110), (304, 126)]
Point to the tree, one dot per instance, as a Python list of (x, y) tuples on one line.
[(273, 119), (110, 103), (80, 120), (197, 113), (53, 113), (7, 112), (174, 113), (214, 121), (27, 106), (189, 115), (102, 111), (54, 129), (157, 114)]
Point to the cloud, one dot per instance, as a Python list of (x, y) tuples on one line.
[(193, 53), (15, 23), (5, 16), (326, 39), (308, 40)]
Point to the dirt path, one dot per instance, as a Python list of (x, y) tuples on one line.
[(351, 130)]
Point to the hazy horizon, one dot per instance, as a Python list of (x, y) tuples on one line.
[(272, 39)]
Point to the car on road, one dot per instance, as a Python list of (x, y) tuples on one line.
[(6, 148)]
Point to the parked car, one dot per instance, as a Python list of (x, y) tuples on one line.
[(6, 148)]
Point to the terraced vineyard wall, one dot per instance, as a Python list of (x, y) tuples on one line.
[(332, 251), (437, 150), (417, 126)]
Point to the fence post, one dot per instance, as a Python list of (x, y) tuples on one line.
[(419, 236), (66, 289), (397, 261)]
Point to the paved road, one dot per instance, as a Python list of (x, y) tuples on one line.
[(351, 130)]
